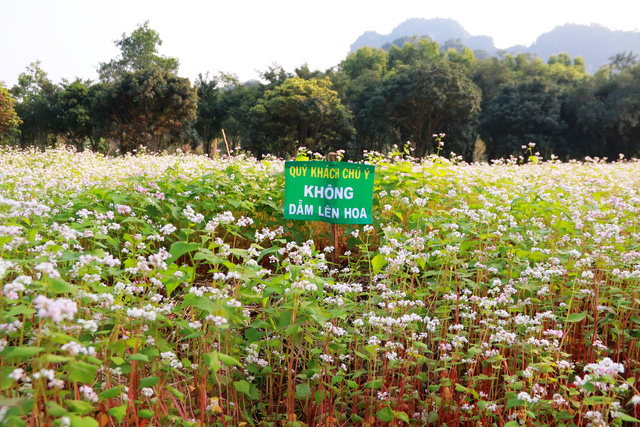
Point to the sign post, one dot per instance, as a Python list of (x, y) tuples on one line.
[(333, 192), (333, 157)]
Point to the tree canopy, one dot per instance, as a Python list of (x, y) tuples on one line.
[(9, 119), (147, 107), (432, 98), (375, 98), (138, 52), (299, 113)]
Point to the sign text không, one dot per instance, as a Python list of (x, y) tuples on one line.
[(334, 192)]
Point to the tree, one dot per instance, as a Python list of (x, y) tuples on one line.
[(141, 100), (275, 75), (36, 106), (235, 103), (299, 113), (432, 98), (365, 60), (606, 113), (138, 52), (75, 105), (209, 115), (9, 119), (623, 61), (423, 50), (304, 72), (463, 56), (148, 108), (523, 112), (356, 80)]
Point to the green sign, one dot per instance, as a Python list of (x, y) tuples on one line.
[(334, 192)]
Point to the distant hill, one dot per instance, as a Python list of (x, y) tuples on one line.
[(594, 43)]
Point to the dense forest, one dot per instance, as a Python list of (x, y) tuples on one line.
[(594, 43), (487, 108)]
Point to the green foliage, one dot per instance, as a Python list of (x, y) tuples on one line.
[(378, 98), (210, 114), (418, 50), (520, 112), (76, 105), (148, 108), (37, 107), (605, 115), (9, 120), (432, 98), (299, 113), (139, 288), (138, 52), (365, 60)]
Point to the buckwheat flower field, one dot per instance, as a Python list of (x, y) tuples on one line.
[(168, 290)]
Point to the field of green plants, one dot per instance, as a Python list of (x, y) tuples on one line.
[(168, 290)]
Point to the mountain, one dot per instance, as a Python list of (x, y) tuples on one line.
[(594, 43), (438, 29)]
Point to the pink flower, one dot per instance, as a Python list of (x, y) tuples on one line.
[(88, 393), (56, 310), (123, 209)]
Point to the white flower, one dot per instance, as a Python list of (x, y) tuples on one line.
[(123, 209), (56, 310), (16, 374), (147, 392), (525, 396), (48, 268)]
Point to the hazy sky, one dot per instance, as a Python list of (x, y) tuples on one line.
[(71, 37)]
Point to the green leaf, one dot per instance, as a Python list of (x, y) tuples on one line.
[(148, 382), (110, 393), (80, 407), (252, 335), (229, 360), (180, 248), (55, 410), (145, 413), (20, 309), (205, 304), (385, 414), (81, 372), (59, 286), (302, 390), (77, 421), (513, 402), (461, 388), (117, 360), (175, 392), (242, 386), (118, 412), (140, 357), (512, 424), (375, 384), (336, 379), (564, 415), (213, 361), (22, 352), (576, 317), (401, 416), (377, 263), (193, 335), (629, 418), (352, 384), (54, 358)]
